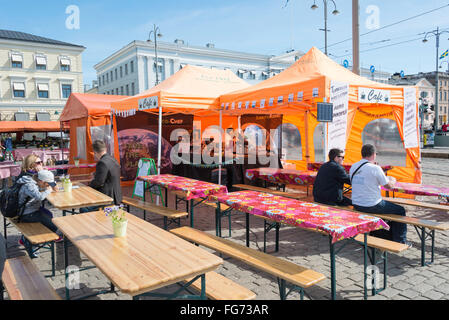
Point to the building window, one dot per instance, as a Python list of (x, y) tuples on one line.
[(252, 75), (112, 77), (16, 61), (240, 73), (18, 89), (66, 90), (127, 90), (103, 80), (126, 69), (65, 63), (116, 91), (133, 89), (264, 75), (99, 81), (41, 63), (121, 72), (121, 90), (42, 90), (131, 64), (116, 74), (107, 77)]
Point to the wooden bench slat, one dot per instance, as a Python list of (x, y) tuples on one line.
[(35, 232), (283, 269), (23, 281), (415, 203), (293, 195), (219, 287), (151, 207), (383, 244), (413, 221)]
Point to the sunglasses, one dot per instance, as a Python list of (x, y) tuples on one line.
[(341, 157), (38, 162)]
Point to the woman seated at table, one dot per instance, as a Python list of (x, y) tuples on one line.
[(34, 191), (31, 165)]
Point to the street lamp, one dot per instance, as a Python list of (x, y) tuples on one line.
[(437, 34), (157, 34), (335, 12)]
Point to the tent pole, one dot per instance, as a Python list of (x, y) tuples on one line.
[(61, 144), (220, 149), (159, 142)]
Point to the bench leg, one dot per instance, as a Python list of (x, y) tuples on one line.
[(53, 266), (5, 233), (165, 223), (247, 230)]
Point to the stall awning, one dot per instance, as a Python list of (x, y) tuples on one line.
[(29, 126)]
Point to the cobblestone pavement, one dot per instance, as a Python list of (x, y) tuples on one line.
[(406, 278)]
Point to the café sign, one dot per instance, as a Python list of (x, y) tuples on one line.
[(148, 103), (370, 95)]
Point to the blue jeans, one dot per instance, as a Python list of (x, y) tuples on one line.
[(89, 209), (2, 254), (398, 231), (43, 216)]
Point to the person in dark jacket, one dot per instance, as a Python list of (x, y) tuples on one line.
[(328, 185), (107, 175)]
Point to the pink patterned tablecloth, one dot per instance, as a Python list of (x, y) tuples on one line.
[(69, 166), (284, 176), (9, 170), (419, 189), (193, 188), (339, 224), (316, 166), (19, 154)]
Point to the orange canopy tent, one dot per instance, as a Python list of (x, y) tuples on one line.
[(296, 91), (88, 115), (191, 90)]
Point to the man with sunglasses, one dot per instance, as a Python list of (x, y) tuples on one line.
[(330, 179)]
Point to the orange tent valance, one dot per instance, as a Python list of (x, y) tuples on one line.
[(30, 126)]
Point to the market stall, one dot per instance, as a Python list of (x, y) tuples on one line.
[(364, 111)]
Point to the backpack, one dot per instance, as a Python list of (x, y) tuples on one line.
[(9, 201)]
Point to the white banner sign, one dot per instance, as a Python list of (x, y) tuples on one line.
[(409, 122), (148, 103), (370, 95), (339, 97)]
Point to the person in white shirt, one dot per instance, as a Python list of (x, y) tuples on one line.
[(366, 179)]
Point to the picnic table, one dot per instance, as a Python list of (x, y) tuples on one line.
[(43, 154), (70, 166), (338, 224), (193, 189), (81, 196), (8, 169), (419, 190), (347, 166), (282, 176), (147, 258)]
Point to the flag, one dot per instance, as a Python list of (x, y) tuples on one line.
[(445, 53)]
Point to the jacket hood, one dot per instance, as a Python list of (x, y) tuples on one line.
[(26, 179)]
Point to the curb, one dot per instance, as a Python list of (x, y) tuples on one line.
[(435, 155)]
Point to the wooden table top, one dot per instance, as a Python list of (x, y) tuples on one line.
[(147, 258), (84, 196)]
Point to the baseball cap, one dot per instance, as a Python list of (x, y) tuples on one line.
[(47, 176)]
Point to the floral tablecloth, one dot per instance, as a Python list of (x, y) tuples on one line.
[(9, 170), (419, 189), (69, 166), (193, 188), (284, 176), (339, 224), (316, 166), (19, 154)]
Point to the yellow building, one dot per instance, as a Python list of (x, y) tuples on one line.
[(37, 75)]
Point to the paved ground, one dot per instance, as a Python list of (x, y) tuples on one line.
[(406, 278)]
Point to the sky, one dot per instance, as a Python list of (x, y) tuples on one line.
[(269, 27)]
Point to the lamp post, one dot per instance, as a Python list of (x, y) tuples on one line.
[(156, 32), (441, 65), (437, 34), (335, 12)]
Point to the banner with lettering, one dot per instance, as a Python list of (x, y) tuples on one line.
[(339, 97), (370, 95), (409, 122)]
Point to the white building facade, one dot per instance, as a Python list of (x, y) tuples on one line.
[(37, 75), (132, 69)]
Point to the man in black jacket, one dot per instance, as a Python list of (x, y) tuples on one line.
[(107, 175), (328, 186)]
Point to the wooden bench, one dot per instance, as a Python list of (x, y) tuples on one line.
[(219, 287), (285, 271), (415, 203), (417, 223), (170, 215), (39, 236), (23, 281)]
